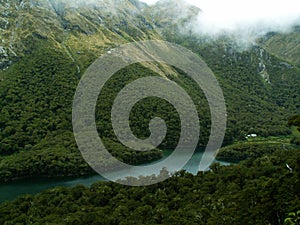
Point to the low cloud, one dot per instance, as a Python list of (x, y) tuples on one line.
[(243, 20)]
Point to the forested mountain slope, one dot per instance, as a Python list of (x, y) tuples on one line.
[(286, 46), (47, 45), (255, 79)]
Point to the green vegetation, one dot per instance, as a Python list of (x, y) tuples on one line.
[(36, 131), (294, 120), (294, 123), (284, 45), (37, 90), (47, 46), (296, 135), (149, 108), (254, 105), (53, 156), (251, 149), (256, 191), (293, 218), (36, 97)]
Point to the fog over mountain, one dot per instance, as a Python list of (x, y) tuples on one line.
[(243, 20)]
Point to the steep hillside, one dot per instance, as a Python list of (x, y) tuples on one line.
[(260, 82), (286, 46), (78, 29), (46, 46), (260, 89)]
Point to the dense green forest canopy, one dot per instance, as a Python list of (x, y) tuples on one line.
[(245, 150), (38, 83), (36, 97), (47, 47), (294, 120), (294, 123), (257, 191)]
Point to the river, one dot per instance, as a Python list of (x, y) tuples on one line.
[(16, 189)]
